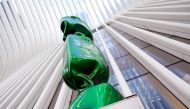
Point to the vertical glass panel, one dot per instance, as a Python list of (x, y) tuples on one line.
[(182, 70), (187, 41), (139, 43), (153, 94), (118, 88), (130, 67), (124, 34), (112, 80), (161, 56)]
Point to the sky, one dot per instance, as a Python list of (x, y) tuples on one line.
[(87, 12)]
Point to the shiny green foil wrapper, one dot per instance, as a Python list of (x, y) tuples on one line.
[(84, 64), (96, 97), (72, 24)]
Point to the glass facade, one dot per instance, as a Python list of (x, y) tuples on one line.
[(152, 93)]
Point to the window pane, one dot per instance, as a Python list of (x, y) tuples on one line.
[(153, 94)]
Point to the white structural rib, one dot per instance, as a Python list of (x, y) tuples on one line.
[(172, 28), (68, 100), (62, 98), (172, 46), (12, 85), (17, 35), (154, 2), (175, 84), (178, 8), (24, 87), (48, 71), (179, 2), (168, 16), (7, 33), (51, 86), (26, 25), (42, 35), (121, 80)]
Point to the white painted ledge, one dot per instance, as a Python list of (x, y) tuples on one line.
[(132, 102)]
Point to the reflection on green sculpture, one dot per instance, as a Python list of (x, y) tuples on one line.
[(72, 24), (96, 97), (84, 64), (85, 68)]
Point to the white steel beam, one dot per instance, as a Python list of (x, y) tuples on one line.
[(45, 75), (168, 16), (155, 1), (37, 22), (172, 28), (61, 100), (21, 91), (8, 33), (49, 21), (121, 80), (47, 32), (27, 26), (179, 2), (10, 85), (54, 20), (68, 99), (169, 45), (52, 84), (178, 8), (175, 84)]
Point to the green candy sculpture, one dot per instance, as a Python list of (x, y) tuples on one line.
[(85, 68), (72, 24), (84, 63), (96, 97)]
